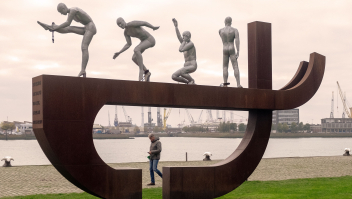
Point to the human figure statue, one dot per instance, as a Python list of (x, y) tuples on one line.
[(88, 31), (135, 29), (189, 52), (228, 34)]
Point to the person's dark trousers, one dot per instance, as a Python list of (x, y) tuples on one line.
[(153, 166)]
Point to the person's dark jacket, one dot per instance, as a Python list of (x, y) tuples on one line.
[(155, 149)]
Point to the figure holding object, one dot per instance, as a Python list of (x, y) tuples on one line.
[(88, 31)]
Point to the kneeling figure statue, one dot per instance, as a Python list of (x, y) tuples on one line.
[(189, 51)]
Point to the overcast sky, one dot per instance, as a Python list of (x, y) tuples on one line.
[(298, 29)]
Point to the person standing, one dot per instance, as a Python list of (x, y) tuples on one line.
[(229, 36), (155, 150)]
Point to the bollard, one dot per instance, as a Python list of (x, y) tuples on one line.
[(186, 156)]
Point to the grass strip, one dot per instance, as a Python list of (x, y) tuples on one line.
[(322, 188)]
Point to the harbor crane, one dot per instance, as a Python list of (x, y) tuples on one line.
[(142, 122), (166, 116), (209, 116), (332, 106), (224, 116), (200, 118), (128, 119), (347, 109), (190, 118), (159, 121), (116, 121), (150, 119), (109, 118)]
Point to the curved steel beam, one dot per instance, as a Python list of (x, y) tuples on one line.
[(301, 71)]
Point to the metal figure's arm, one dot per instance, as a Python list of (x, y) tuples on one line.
[(237, 42), (129, 43), (142, 23), (186, 46), (177, 31), (70, 17)]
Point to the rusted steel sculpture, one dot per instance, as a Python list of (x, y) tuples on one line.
[(64, 109)]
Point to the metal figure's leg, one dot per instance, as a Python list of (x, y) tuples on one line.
[(138, 58), (177, 76), (236, 70), (69, 29), (225, 67), (87, 38)]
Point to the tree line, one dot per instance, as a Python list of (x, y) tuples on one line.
[(293, 128), (7, 126), (233, 127), (222, 128)]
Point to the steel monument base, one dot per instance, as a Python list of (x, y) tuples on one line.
[(64, 109)]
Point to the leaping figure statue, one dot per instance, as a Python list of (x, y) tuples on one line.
[(88, 31), (135, 29), (7, 160)]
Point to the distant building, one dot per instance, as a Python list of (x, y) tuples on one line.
[(125, 124), (211, 126), (26, 128), (148, 127), (286, 116), (315, 128), (174, 130), (21, 128), (97, 128), (336, 125)]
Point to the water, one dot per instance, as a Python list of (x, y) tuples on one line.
[(28, 152)]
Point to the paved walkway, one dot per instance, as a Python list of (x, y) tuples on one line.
[(28, 180)]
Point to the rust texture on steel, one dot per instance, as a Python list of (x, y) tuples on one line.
[(64, 109)]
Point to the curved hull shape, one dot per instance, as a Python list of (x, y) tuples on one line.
[(64, 109)]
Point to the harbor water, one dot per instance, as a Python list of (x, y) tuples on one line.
[(28, 152)]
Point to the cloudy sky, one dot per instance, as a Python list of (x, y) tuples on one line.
[(298, 29)]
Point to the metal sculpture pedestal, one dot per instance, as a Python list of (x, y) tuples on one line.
[(64, 109)]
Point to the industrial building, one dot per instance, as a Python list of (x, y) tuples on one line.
[(336, 125), (24, 128), (150, 125), (286, 116)]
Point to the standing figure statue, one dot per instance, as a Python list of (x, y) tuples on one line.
[(88, 31), (228, 34), (135, 29), (189, 52)]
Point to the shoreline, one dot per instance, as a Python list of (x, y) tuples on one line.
[(197, 135), (190, 161)]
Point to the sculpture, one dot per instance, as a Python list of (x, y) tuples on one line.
[(228, 34), (7, 160), (347, 152), (207, 156), (189, 51), (88, 31), (135, 29), (65, 134)]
